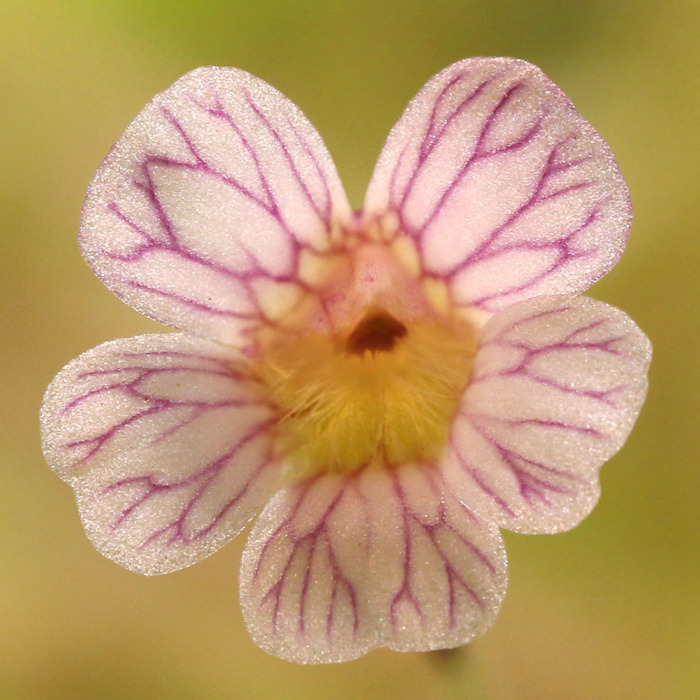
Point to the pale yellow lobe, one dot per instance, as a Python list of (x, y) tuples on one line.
[(405, 251), (436, 293), (347, 401), (276, 299), (315, 269)]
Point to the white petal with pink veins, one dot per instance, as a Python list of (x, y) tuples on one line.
[(556, 386), (166, 441), (342, 563), (219, 183), (491, 166)]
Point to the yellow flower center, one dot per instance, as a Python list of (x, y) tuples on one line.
[(384, 392)]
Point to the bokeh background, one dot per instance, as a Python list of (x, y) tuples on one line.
[(610, 610)]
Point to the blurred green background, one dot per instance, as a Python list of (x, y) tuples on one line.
[(610, 610)]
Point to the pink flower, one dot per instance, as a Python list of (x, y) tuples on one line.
[(390, 387)]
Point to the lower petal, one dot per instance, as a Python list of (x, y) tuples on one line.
[(556, 387), (340, 564), (166, 442)]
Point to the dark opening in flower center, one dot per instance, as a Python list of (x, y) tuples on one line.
[(377, 332)]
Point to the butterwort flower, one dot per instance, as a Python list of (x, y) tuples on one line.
[(388, 387)]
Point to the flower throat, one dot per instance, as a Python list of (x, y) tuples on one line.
[(384, 393)]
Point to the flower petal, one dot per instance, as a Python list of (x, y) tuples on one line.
[(339, 564), (166, 442), (506, 190), (557, 385), (199, 214)]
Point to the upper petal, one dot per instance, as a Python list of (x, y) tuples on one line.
[(166, 442), (556, 386), (340, 564), (199, 214), (507, 191)]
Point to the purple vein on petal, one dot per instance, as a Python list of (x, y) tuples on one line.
[(219, 112), (202, 480), (476, 156), (175, 245), (540, 422), (306, 545), (405, 592), (287, 156), (272, 207), (486, 248), (183, 135), (523, 370), (564, 256), (413, 523), (430, 139), (525, 478), (190, 303), (325, 210), (571, 209), (128, 381), (175, 248), (130, 277), (478, 477)]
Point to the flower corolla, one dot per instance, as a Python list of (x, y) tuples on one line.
[(387, 388)]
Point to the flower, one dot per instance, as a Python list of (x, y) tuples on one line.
[(390, 387)]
